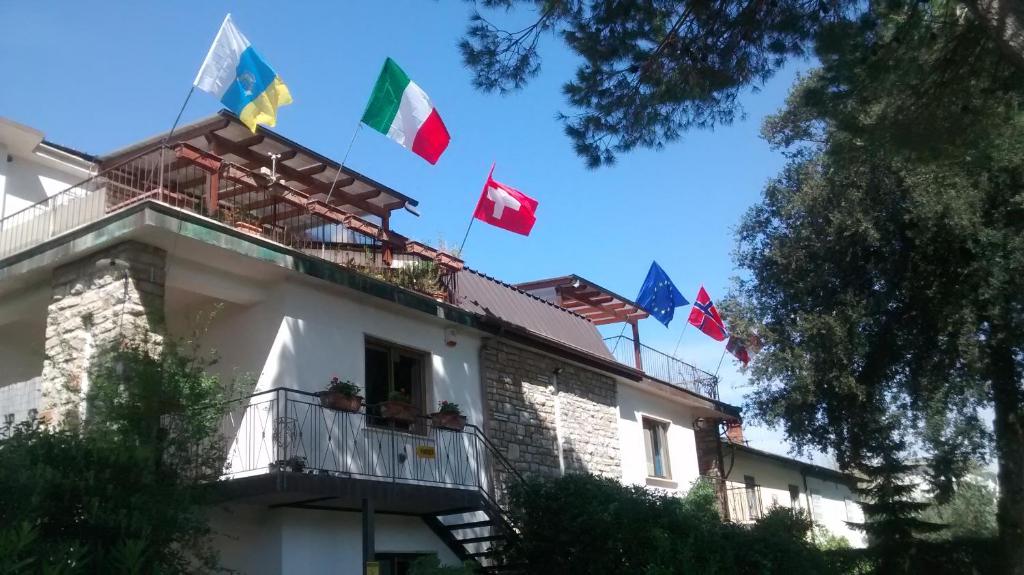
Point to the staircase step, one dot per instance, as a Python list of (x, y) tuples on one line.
[(487, 553), (470, 525), (483, 539)]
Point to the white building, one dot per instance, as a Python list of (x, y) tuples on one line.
[(292, 287)]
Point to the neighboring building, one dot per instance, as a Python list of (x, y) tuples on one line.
[(292, 283), (758, 480)]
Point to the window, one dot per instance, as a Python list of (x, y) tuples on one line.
[(753, 499), (656, 446), (817, 507), (397, 563), (794, 496), (391, 368)]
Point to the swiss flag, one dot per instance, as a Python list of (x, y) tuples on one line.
[(705, 316), (506, 207)]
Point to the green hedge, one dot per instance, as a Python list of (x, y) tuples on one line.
[(581, 524)]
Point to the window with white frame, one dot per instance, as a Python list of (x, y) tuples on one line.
[(656, 448)]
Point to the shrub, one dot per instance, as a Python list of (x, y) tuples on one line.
[(590, 525), (117, 493)]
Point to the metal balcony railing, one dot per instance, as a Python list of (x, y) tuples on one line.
[(289, 430), (190, 179), (738, 503), (664, 367), (744, 503)]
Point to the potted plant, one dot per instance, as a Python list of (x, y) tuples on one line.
[(398, 407), (341, 396), (448, 416), (296, 463)]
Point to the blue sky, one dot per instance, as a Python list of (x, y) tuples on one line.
[(98, 76)]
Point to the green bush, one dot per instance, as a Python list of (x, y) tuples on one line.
[(118, 492), (589, 525)]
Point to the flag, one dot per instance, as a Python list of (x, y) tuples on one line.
[(738, 349), (402, 111), (705, 317), (506, 207), (659, 296), (241, 78)]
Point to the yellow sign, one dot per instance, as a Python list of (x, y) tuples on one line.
[(372, 568), (426, 452)]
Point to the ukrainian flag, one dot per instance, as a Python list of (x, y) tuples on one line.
[(241, 78)]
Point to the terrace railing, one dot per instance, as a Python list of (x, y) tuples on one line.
[(289, 430), (664, 367)]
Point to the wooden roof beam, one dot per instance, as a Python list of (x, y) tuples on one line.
[(278, 217), (289, 173)]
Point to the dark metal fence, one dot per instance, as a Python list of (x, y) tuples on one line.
[(289, 430), (664, 367), (244, 200), (738, 503)]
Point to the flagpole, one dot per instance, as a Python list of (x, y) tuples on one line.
[(472, 218), (680, 340), (174, 126), (359, 127), (720, 360), (466, 236)]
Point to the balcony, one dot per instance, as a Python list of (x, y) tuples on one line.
[(298, 212), (663, 367), (284, 448)]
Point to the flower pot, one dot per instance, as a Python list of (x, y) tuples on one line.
[(449, 420), (398, 411), (340, 402)]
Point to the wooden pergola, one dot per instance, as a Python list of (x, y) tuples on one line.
[(599, 305), (276, 181)]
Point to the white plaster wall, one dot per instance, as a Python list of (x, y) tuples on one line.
[(303, 335), (775, 477), (257, 541), (248, 538), (27, 182), (682, 449)]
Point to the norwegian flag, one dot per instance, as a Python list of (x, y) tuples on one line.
[(705, 317), (506, 207)]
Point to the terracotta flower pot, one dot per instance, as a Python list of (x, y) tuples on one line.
[(398, 411), (449, 420), (340, 402)]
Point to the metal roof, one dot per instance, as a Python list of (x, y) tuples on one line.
[(480, 293)]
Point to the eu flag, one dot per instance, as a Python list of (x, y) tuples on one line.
[(659, 296)]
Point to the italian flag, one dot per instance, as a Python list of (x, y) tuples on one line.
[(402, 111)]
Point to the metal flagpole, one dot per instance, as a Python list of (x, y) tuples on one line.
[(720, 360), (359, 126), (472, 218), (174, 126), (680, 340), (337, 174), (465, 237)]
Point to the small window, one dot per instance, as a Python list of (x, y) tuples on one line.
[(794, 496), (391, 368), (753, 497), (817, 507), (656, 446)]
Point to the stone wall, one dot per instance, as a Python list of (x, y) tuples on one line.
[(532, 411), (113, 295)]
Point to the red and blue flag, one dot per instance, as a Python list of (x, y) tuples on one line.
[(704, 316)]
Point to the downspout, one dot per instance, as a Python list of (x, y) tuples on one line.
[(807, 494), (3, 183), (558, 420)]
